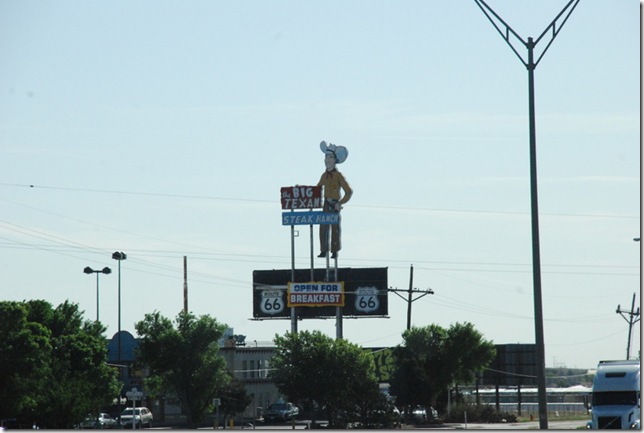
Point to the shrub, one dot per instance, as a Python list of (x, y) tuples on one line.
[(480, 414)]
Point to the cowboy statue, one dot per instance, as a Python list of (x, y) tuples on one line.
[(332, 181)]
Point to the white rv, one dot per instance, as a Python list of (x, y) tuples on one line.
[(616, 396)]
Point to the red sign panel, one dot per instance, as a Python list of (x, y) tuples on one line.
[(301, 197)]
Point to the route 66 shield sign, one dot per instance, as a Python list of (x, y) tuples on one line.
[(367, 299), (272, 302)]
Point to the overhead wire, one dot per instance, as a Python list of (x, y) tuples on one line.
[(66, 247), (255, 200)]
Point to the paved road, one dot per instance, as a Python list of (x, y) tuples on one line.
[(532, 425)]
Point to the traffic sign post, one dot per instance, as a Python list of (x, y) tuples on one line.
[(134, 395), (216, 402)]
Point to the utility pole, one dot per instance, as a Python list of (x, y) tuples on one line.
[(633, 318), (410, 293), (185, 284), (552, 30)]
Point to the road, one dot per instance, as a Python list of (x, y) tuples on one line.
[(533, 425)]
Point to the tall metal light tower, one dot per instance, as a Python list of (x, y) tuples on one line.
[(506, 32)]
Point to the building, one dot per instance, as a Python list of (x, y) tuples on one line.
[(250, 363)]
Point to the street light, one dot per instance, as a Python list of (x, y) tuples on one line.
[(119, 256), (552, 30), (105, 271)]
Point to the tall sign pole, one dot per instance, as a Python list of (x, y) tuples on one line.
[(293, 310), (302, 197), (531, 64)]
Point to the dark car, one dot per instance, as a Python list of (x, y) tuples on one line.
[(281, 412)]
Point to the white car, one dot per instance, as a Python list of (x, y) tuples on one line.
[(141, 415), (103, 420)]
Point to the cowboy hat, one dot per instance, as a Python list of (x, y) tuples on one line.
[(340, 152)]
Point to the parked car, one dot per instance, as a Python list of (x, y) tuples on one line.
[(103, 420), (141, 415), (281, 412), (419, 414)]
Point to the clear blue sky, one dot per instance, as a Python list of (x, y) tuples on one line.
[(166, 128)]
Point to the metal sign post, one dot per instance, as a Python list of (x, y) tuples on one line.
[(216, 402), (293, 311), (134, 395), (300, 197)]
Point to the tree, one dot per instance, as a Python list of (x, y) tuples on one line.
[(313, 369), (432, 358), (186, 359), (234, 398), (53, 365), (24, 360), (468, 351)]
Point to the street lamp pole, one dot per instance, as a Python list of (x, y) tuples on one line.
[(552, 29), (88, 271), (119, 256)]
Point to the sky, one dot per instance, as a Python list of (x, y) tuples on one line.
[(166, 129)]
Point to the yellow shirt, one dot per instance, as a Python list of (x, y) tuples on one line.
[(333, 181)]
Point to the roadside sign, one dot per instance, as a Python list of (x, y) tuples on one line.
[(134, 395), (315, 294), (272, 300), (365, 293), (301, 197), (367, 299), (310, 218)]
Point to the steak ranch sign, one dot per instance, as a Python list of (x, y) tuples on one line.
[(309, 218)]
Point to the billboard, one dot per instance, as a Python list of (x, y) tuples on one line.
[(515, 364), (364, 293)]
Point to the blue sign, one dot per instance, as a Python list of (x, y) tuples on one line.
[(309, 218)]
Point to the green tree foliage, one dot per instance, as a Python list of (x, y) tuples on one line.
[(185, 358), (432, 358), (312, 369), (53, 365), (234, 398)]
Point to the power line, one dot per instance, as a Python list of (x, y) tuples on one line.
[(449, 266), (255, 200)]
